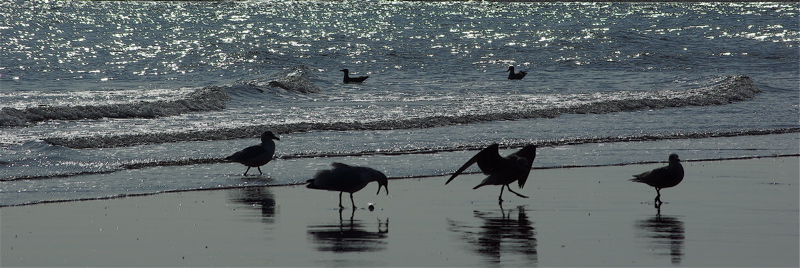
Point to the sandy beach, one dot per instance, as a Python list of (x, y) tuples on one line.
[(725, 213)]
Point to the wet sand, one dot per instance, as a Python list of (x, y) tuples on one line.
[(725, 213)]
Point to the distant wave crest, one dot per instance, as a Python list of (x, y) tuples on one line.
[(295, 79), (204, 99), (728, 90)]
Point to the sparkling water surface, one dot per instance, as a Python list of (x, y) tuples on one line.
[(102, 99)]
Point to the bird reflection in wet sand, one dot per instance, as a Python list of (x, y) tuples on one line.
[(665, 235), (350, 235), (260, 197), (500, 233)]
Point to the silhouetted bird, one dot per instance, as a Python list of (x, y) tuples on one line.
[(348, 79), (663, 177), (346, 178), (257, 155), (515, 76), (502, 170)]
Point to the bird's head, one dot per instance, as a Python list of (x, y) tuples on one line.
[(382, 180), (268, 136), (673, 158)]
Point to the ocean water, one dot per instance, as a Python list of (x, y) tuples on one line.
[(112, 99)]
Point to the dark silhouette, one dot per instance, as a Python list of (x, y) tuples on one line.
[(348, 79), (502, 170), (346, 178), (515, 76), (257, 155), (663, 177)]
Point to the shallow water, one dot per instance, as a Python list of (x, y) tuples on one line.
[(97, 98)]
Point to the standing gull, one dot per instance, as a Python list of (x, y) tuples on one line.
[(515, 76), (663, 177), (348, 79), (256, 155), (346, 178), (502, 170)]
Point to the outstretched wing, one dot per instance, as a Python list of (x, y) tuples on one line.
[(529, 154), (488, 159)]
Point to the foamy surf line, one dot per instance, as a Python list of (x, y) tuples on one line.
[(204, 99), (729, 90), (434, 150)]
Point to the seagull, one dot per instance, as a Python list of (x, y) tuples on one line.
[(515, 76), (346, 178), (663, 177), (502, 170), (348, 79), (256, 155)]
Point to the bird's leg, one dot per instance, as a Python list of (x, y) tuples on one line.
[(352, 202), (509, 189), (259, 171), (245, 172), (340, 200), (501, 193), (658, 198)]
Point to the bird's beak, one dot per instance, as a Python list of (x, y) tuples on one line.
[(386, 187)]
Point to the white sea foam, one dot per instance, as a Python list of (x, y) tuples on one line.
[(203, 99)]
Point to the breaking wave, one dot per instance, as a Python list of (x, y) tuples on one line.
[(295, 79), (203, 99), (728, 90)]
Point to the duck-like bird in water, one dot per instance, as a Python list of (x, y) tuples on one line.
[(348, 79), (256, 155), (515, 76), (502, 170), (345, 178), (663, 177)]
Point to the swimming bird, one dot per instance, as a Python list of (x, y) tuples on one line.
[(347, 178), (663, 177), (348, 79), (515, 76), (502, 170), (256, 155)]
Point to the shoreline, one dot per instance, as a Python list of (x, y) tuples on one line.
[(589, 216), (390, 178)]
